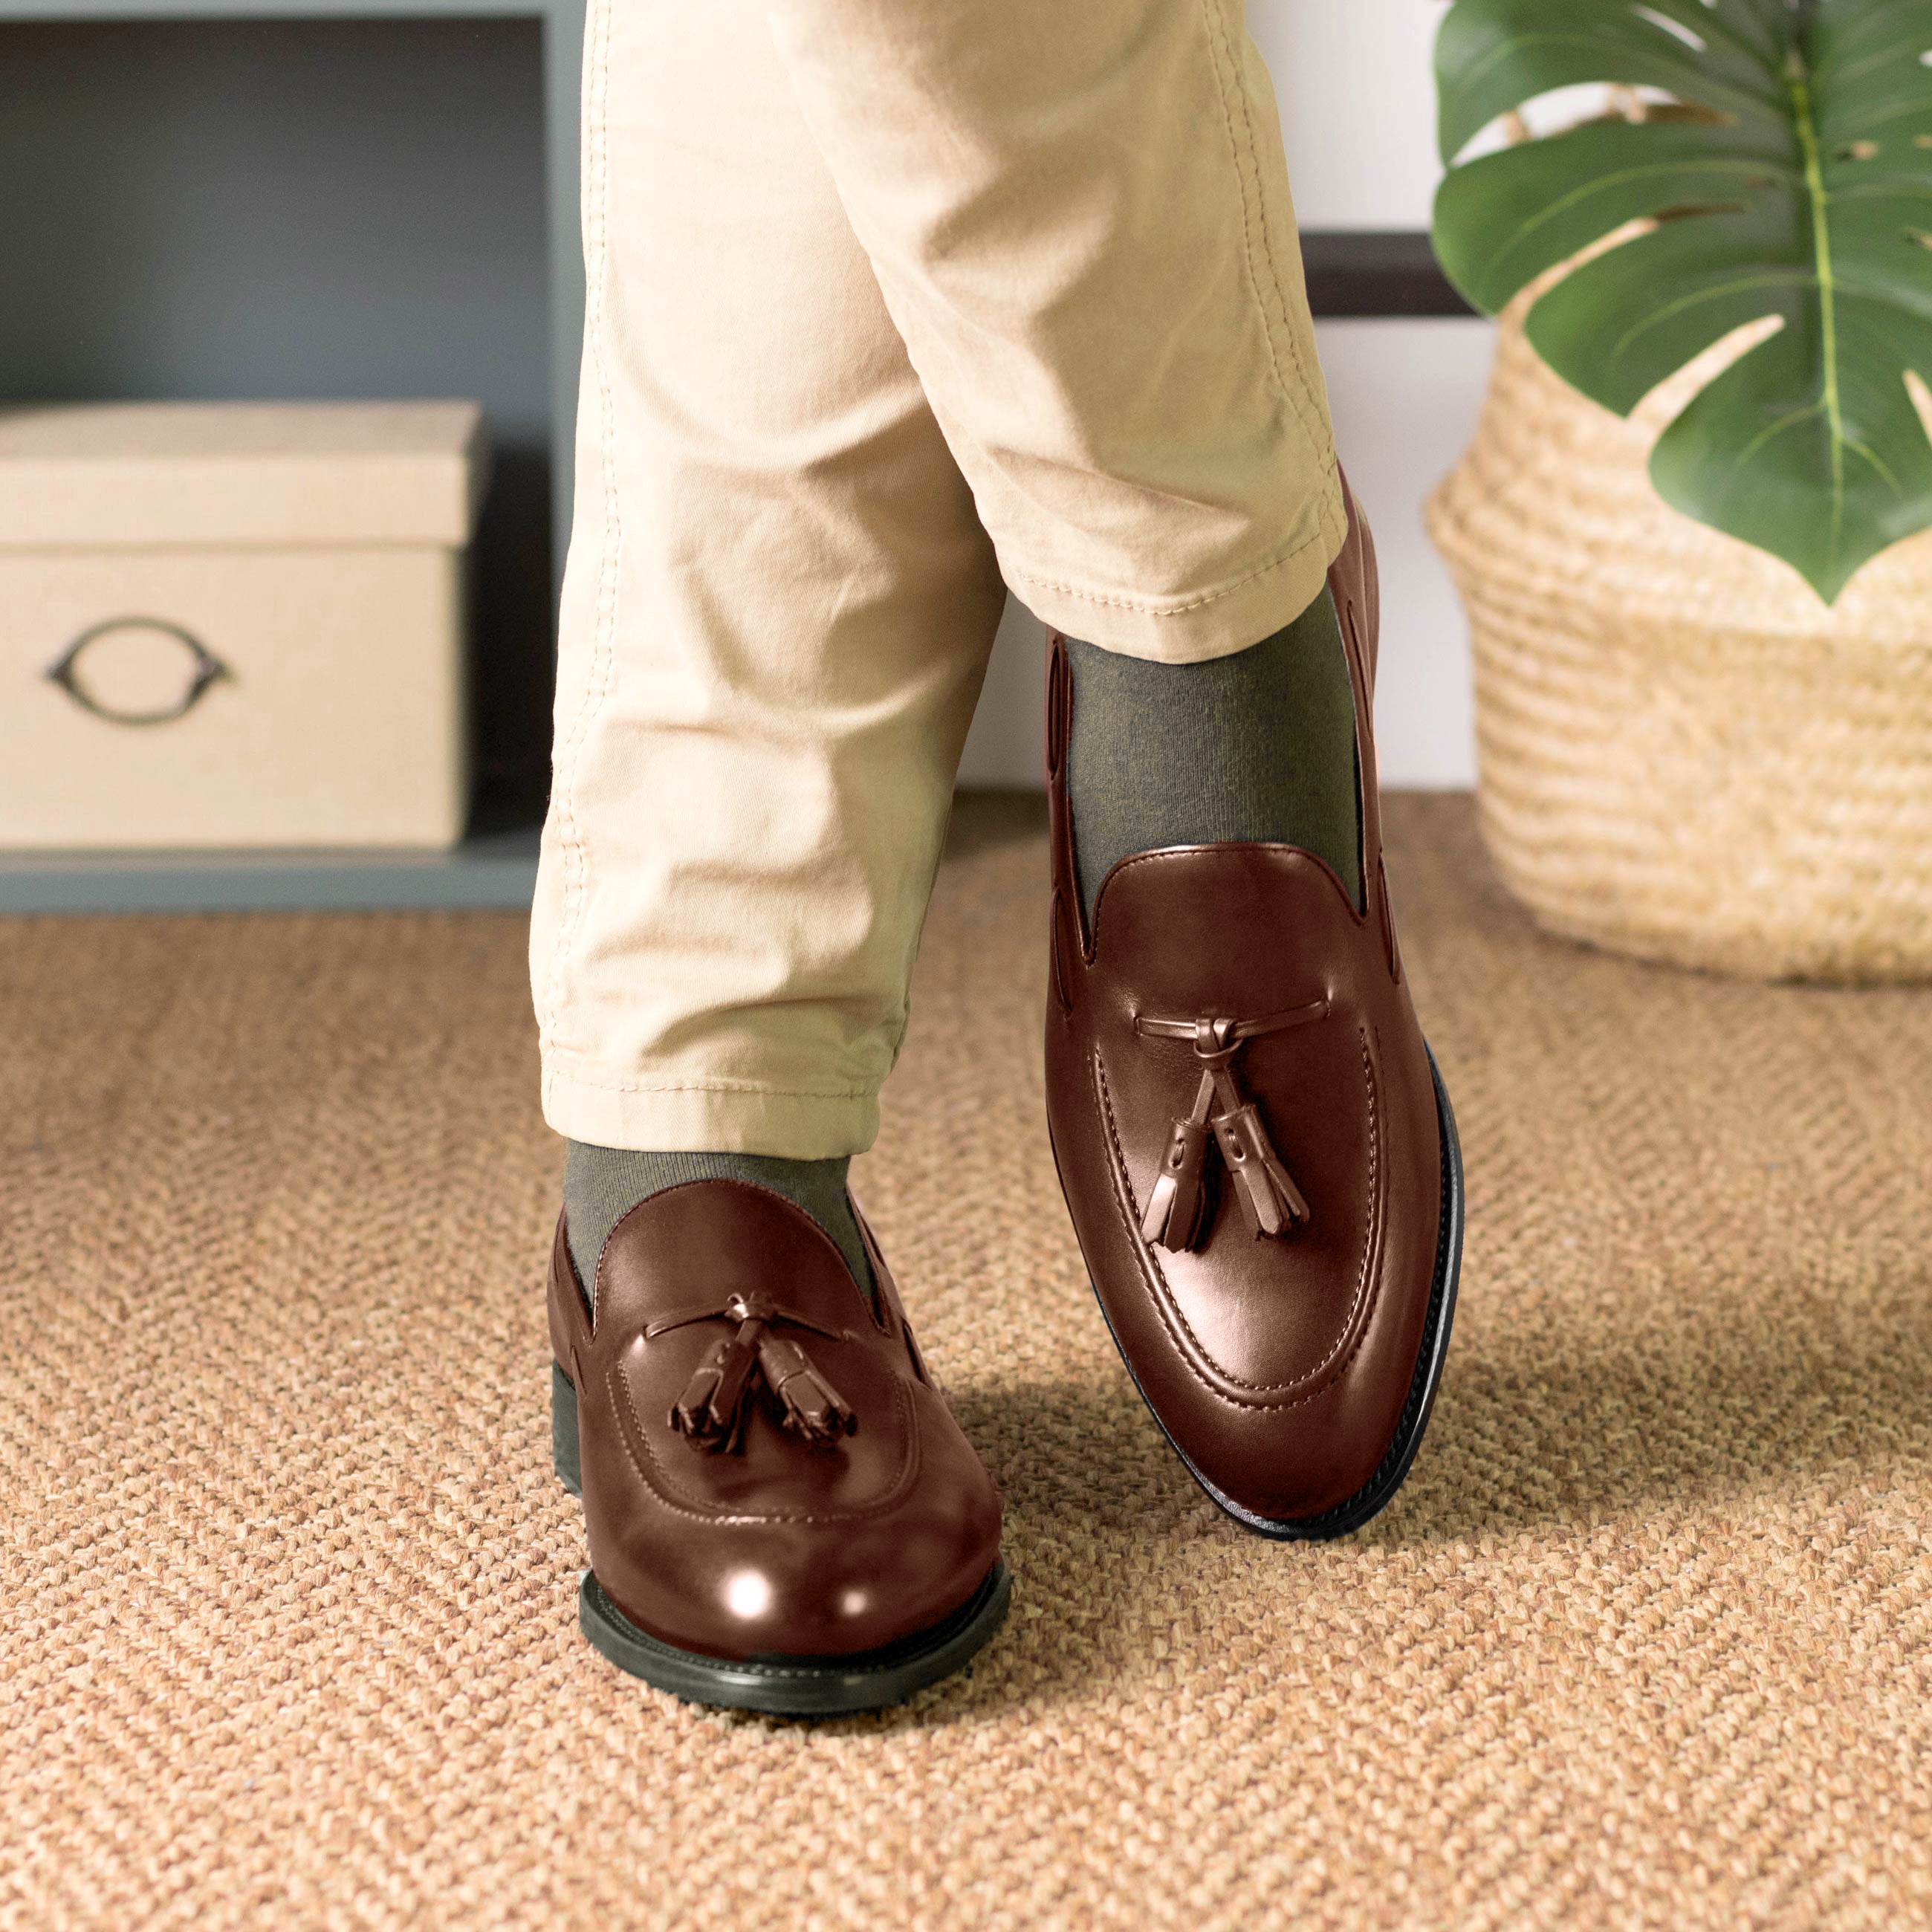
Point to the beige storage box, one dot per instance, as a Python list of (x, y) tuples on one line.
[(235, 624)]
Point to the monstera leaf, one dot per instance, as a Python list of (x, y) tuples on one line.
[(1788, 171)]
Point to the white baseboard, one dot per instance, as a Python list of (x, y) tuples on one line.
[(1405, 395)]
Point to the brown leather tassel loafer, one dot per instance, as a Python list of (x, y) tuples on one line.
[(782, 1513), (1255, 1145)]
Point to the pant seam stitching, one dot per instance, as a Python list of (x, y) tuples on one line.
[(1254, 216), (1322, 535), (556, 1079)]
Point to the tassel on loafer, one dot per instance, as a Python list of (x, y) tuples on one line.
[(1254, 1143), (783, 1514)]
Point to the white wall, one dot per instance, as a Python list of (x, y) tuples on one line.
[(1405, 395), (1356, 82), (1354, 78)]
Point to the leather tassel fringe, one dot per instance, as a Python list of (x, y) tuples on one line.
[(1268, 1195), (1176, 1217), (810, 1404), (711, 1411), (1176, 1210)]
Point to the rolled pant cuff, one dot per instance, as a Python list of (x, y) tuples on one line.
[(1218, 623), (697, 1119)]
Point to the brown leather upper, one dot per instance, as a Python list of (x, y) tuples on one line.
[(1275, 1329), (836, 1507)]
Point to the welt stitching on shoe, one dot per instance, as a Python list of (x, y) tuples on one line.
[(1161, 1299), (1165, 1302), (660, 1482), (1425, 1365), (1353, 1327)]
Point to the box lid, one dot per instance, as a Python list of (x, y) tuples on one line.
[(98, 475)]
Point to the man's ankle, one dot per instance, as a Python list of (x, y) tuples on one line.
[(1260, 745)]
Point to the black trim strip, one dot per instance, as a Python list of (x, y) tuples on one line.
[(1376, 272)]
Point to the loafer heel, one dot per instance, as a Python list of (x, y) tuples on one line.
[(564, 1452)]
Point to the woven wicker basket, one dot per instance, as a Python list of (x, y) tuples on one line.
[(1684, 753)]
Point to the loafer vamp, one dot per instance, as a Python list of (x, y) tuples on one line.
[(1257, 1157), (1265, 1320), (771, 1542), (1279, 1364)]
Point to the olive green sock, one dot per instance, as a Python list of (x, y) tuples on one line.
[(601, 1185), (1259, 745)]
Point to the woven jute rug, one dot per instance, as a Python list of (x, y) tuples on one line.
[(288, 1589)]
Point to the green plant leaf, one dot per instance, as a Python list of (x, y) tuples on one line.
[(1788, 176)]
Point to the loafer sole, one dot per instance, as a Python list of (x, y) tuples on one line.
[(787, 1687), (1374, 1495)]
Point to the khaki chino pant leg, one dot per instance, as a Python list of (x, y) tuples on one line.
[(888, 299), (777, 610)]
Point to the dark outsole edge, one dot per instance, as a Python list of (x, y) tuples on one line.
[(1374, 1495), (786, 1686), (800, 1687)]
